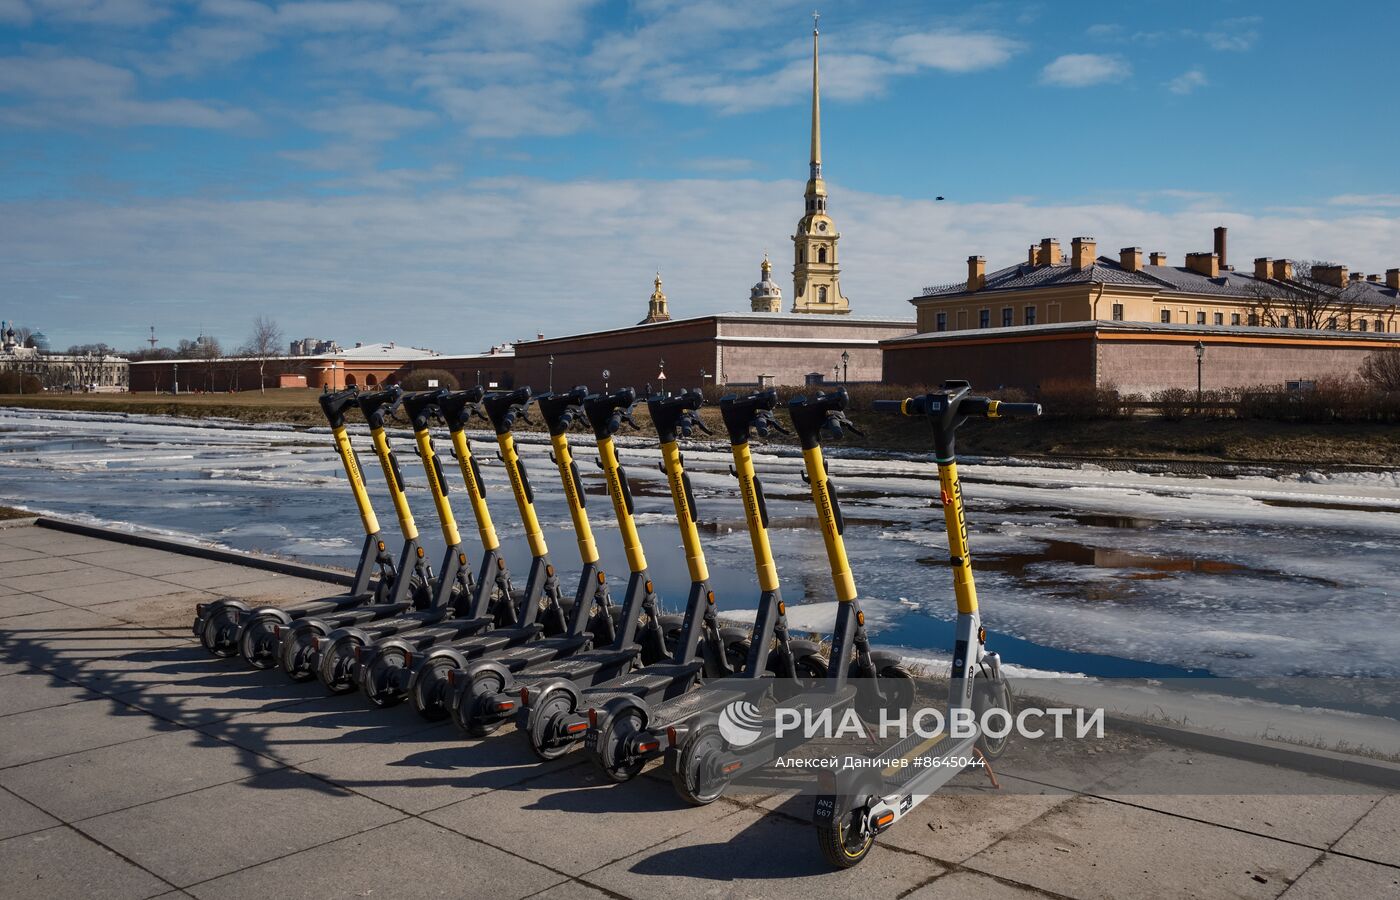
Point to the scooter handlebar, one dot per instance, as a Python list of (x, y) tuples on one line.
[(335, 403), (934, 405), (423, 406), (503, 408), (753, 413), (561, 411), (824, 414), (608, 412), (381, 405), (676, 416), (457, 407)]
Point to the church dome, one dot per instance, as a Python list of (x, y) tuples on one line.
[(766, 296)]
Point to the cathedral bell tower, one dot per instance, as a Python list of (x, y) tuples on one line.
[(816, 277), (657, 311)]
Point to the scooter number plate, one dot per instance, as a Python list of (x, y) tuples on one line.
[(590, 740)]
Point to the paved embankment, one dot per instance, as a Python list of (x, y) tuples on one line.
[(132, 765)]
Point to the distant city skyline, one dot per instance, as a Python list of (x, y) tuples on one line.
[(456, 176)]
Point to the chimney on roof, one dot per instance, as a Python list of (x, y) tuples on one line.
[(976, 273), (1283, 270), (1330, 274), (1207, 264), (359, 344), (539, 335), (1373, 278), (1130, 258), (1392, 278), (1081, 253), (1220, 246), (1158, 258), (1049, 252), (1032, 257), (1358, 276), (1263, 268)]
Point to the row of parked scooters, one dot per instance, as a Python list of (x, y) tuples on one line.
[(626, 681)]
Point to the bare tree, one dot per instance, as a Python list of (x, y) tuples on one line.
[(1303, 301), (265, 342), (1382, 369)]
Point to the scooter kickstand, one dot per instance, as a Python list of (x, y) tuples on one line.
[(987, 765)]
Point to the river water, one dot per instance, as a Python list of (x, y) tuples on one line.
[(1079, 569)]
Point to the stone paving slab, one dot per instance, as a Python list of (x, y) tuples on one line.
[(1096, 848), (429, 861), (18, 816), (132, 764), (201, 835), (94, 782), (61, 862)]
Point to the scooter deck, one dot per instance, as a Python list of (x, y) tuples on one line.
[(707, 698), (433, 633), (326, 605), (669, 678), (585, 668), (497, 639), (411, 621), (544, 651), (370, 613)]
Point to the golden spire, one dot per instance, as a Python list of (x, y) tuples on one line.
[(816, 161), (767, 266)]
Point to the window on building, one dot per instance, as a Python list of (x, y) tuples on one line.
[(1363, 324), (1283, 321), (1380, 326), (1200, 318), (941, 322), (1332, 322), (1166, 317), (984, 319), (1030, 315), (1254, 320), (1220, 318), (1117, 312), (1184, 317), (821, 254), (821, 294), (1007, 317), (1234, 318)]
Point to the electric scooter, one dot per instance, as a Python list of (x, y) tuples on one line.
[(536, 695), (296, 643), (702, 650), (866, 802), (230, 626), (626, 730), (591, 620), (704, 760), (389, 669)]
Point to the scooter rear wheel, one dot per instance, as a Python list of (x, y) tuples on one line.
[(219, 634), (845, 840), (256, 643), (430, 691), (610, 753), (690, 774), (542, 726), (466, 712), (375, 678), (987, 694), (296, 654), (335, 666)]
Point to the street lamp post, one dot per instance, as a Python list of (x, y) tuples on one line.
[(551, 373), (177, 379), (845, 367), (1200, 364)]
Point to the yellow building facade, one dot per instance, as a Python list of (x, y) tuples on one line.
[(1052, 287)]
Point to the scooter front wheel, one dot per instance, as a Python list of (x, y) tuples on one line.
[(610, 752), (846, 839), (988, 694), (691, 777)]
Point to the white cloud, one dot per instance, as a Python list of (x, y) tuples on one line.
[(1084, 70), (953, 51), (1238, 34), (15, 12), (103, 12), (77, 91), (1188, 81), (1365, 200), (509, 254)]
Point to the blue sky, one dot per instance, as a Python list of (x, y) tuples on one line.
[(460, 172)]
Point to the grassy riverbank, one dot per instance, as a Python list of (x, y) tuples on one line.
[(1133, 438)]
